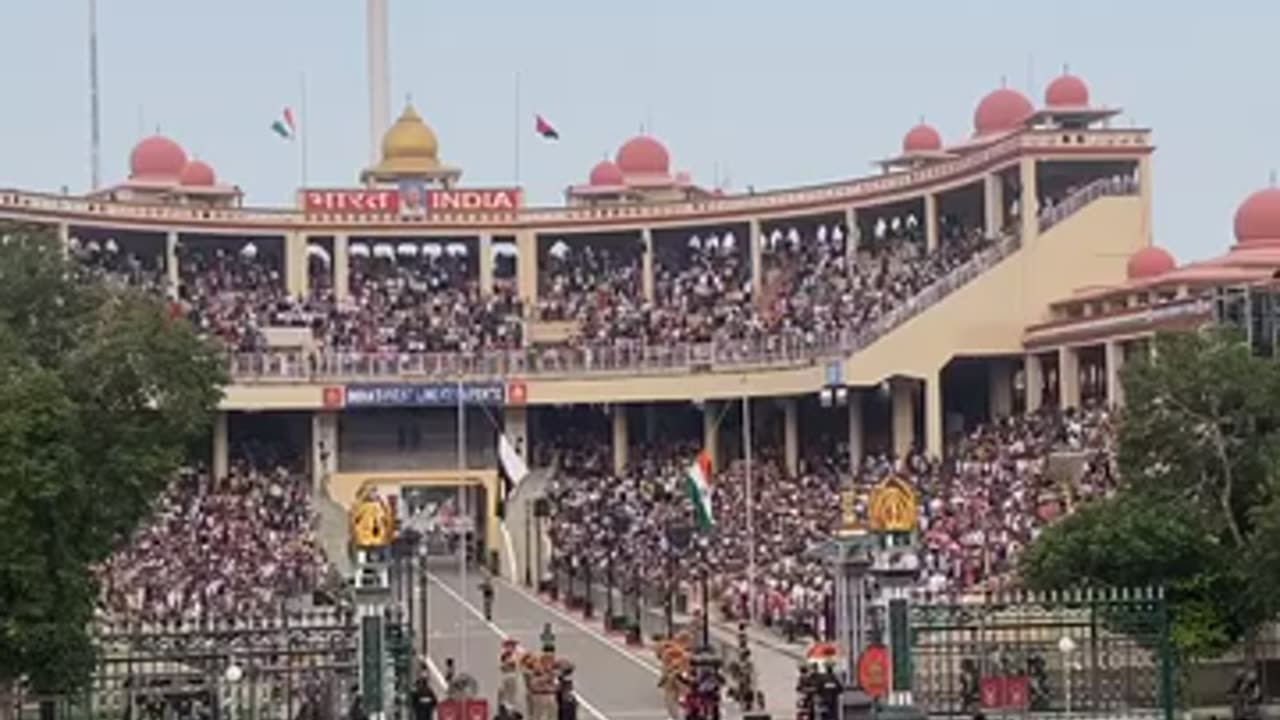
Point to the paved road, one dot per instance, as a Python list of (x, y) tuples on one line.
[(614, 682)]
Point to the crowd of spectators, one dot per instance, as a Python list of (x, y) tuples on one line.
[(106, 260), (980, 507), (232, 293), (225, 547)]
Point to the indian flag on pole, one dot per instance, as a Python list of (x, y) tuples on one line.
[(697, 482), (284, 126)]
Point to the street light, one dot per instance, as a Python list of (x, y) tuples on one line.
[(1067, 647)]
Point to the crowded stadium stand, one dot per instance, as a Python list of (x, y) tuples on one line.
[(958, 318)]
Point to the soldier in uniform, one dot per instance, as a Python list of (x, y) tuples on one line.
[(542, 688), (675, 679), (509, 672), (486, 595)]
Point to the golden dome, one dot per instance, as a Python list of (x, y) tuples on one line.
[(410, 142)]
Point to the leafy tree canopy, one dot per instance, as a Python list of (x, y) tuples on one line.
[(1198, 510), (101, 391)]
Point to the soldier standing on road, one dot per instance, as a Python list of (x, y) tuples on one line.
[(424, 699), (509, 674), (486, 593)]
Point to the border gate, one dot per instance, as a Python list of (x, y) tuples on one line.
[(293, 665), (1085, 652)]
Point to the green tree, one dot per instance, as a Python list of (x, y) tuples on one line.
[(1197, 508), (101, 391)]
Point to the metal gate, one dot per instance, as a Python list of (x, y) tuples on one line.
[(291, 666), (1085, 652)]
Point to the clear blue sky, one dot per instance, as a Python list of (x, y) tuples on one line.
[(771, 93)]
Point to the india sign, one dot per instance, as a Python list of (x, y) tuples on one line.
[(411, 199)]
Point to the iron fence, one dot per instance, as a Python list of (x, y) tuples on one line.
[(291, 666)]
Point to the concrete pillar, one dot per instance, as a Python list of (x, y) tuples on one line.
[(486, 265), (171, 262), (527, 267), (931, 222), (757, 253), (515, 425), (856, 442), (851, 235), (1000, 388), (621, 439), (1033, 376), (221, 446), (64, 238), (934, 415), (711, 431), (341, 267), (992, 204), (904, 419), (295, 264), (1068, 377), (1029, 203), (646, 267), (1115, 363), (324, 446), (791, 435), (650, 423)]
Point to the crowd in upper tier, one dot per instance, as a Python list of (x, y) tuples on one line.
[(219, 547), (979, 508), (422, 303)]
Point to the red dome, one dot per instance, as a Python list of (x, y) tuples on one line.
[(1258, 219), (1001, 110), (921, 138), (606, 174), (1067, 91), (642, 155), (198, 173), (1150, 262), (157, 157)]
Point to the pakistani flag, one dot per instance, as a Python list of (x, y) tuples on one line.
[(697, 482)]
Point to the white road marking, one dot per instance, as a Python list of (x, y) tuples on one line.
[(502, 634), (598, 635)]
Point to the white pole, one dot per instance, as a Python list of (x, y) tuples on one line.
[(751, 515), (516, 171), (95, 127), (379, 76), (464, 516), (302, 126)]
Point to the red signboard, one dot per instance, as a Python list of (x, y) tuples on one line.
[(449, 710), (359, 202), (334, 397), (874, 671), (391, 202), (1006, 692), (489, 199), (477, 710)]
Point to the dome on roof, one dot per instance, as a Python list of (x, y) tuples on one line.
[(410, 138), (605, 174), (1258, 218), (643, 155), (1150, 262), (921, 138), (1067, 91), (157, 158), (198, 173), (1001, 110)]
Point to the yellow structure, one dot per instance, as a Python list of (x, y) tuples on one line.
[(1047, 314)]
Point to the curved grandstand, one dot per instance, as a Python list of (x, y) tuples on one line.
[(971, 300)]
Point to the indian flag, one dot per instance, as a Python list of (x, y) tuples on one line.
[(284, 126), (697, 481)]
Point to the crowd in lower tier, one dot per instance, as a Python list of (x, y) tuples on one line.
[(231, 547), (979, 509)]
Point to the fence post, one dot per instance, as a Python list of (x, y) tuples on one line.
[(1168, 672)]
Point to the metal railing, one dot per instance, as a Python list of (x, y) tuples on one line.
[(776, 353)]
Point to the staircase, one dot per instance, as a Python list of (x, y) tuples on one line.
[(331, 529)]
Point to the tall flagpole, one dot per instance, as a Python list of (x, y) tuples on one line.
[(302, 127), (464, 517), (95, 126), (516, 170)]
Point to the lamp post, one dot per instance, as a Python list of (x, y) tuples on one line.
[(1067, 647), (678, 537)]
